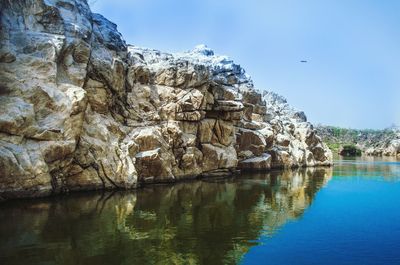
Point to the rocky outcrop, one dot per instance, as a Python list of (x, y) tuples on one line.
[(384, 142), (387, 148), (83, 110)]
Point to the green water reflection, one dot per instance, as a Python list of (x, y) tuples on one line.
[(202, 222), (385, 167)]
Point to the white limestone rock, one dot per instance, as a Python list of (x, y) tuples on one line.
[(83, 110)]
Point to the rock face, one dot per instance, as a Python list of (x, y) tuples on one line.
[(387, 148), (82, 110)]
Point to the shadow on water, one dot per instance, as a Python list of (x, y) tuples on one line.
[(203, 222)]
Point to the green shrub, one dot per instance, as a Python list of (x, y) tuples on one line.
[(350, 150)]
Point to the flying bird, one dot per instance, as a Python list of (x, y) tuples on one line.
[(303, 61)]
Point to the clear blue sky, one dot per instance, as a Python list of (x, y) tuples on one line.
[(352, 78)]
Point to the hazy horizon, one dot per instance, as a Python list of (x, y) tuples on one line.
[(351, 76)]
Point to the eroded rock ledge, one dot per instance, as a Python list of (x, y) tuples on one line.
[(82, 110)]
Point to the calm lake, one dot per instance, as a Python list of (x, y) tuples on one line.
[(348, 214)]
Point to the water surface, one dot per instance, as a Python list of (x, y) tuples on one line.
[(346, 215)]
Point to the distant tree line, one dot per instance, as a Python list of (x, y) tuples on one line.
[(337, 137)]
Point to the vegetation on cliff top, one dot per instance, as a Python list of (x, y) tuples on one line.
[(350, 150), (337, 138)]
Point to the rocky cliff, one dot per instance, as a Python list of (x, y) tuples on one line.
[(83, 110)]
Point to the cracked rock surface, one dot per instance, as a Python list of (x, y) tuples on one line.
[(82, 110)]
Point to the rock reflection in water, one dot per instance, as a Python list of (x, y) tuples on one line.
[(385, 167), (204, 222)]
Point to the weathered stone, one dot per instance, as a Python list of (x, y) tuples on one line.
[(206, 128), (248, 111), (16, 115), (223, 132), (215, 157), (98, 97), (81, 52), (56, 150), (81, 110), (190, 116), (190, 164), (87, 179), (189, 101), (228, 105), (152, 167), (262, 162), (225, 93), (225, 115), (7, 57), (280, 159), (139, 74), (282, 140), (251, 140)]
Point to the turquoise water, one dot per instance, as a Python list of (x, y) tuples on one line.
[(348, 214), (355, 219)]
